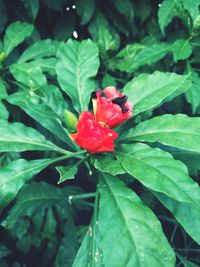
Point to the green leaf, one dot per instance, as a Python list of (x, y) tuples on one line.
[(67, 172), (106, 37), (181, 49), (85, 10), (3, 93), (108, 80), (28, 74), (185, 213), (46, 64), (193, 95), (77, 64), (157, 170), (15, 34), (32, 7), (192, 7), (123, 216), (178, 131), (148, 91), (14, 175), (33, 197), (166, 12), (17, 137), (149, 54), (4, 251), (108, 164), (40, 49), (34, 106)]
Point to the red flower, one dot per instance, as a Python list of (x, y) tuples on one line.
[(111, 107), (92, 136)]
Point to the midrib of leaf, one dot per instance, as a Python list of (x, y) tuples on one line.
[(150, 166), (125, 221)]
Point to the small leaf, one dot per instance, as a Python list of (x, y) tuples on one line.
[(108, 164), (32, 7), (67, 172), (77, 64), (15, 34), (157, 170), (181, 49), (148, 91), (17, 137), (178, 131), (123, 216)]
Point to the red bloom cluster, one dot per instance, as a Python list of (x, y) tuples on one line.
[(110, 110)]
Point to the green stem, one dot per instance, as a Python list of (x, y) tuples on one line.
[(71, 155)]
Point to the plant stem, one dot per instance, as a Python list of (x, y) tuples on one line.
[(71, 155), (81, 196), (95, 223)]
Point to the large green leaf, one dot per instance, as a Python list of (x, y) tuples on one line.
[(157, 170), (17, 137), (185, 213), (15, 34), (166, 13), (44, 110), (178, 131), (28, 74), (14, 175), (108, 164), (40, 49), (77, 64), (135, 229), (148, 91), (33, 197)]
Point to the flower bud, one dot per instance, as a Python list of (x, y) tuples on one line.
[(70, 120), (2, 57)]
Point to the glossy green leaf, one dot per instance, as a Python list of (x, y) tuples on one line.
[(14, 175), (166, 12), (157, 170), (148, 91), (3, 93), (185, 213), (106, 37), (108, 164), (77, 64), (123, 216), (178, 131), (33, 197), (181, 49), (35, 106), (40, 49), (15, 34), (193, 95), (17, 137), (67, 172), (85, 9), (28, 74)]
